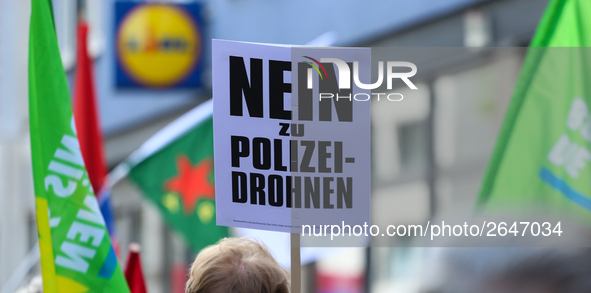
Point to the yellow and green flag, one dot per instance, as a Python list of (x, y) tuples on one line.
[(543, 154), (76, 252)]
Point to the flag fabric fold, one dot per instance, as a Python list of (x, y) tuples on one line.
[(89, 132), (544, 148), (174, 170), (76, 252)]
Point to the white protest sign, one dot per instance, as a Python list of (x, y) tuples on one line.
[(331, 127), (274, 167)]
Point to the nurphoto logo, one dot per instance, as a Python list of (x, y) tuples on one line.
[(346, 78)]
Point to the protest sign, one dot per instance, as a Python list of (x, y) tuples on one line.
[(291, 136)]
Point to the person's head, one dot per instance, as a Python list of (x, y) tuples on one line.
[(237, 265)]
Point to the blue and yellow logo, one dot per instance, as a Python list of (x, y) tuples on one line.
[(158, 45)]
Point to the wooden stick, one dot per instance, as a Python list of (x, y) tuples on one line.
[(296, 265)]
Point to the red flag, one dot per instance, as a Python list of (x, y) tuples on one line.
[(88, 129), (178, 278), (133, 270), (85, 113)]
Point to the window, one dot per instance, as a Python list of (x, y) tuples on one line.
[(64, 12), (66, 19)]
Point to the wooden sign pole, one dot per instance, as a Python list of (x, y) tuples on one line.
[(296, 265)]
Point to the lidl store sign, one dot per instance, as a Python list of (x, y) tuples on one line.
[(158, 45)]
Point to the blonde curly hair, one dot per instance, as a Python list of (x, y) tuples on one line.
[(237, 265)]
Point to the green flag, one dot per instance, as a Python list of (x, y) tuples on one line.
[(76, 252), (543, 152), (174, 169)]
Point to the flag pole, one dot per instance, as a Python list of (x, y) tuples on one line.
[(296, 264), (23, 269)]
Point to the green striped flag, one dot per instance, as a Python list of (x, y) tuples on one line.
[(543, 152), (76, 252), (174, 170)]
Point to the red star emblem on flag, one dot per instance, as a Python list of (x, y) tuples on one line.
[(192, 182)]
